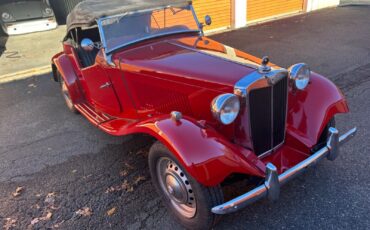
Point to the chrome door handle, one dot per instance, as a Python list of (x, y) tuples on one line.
[(105, 85)]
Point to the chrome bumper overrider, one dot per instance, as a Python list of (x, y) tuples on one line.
[(273, 181)]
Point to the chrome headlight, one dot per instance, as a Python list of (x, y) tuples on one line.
[(225, 108), (6, 17), (300, 75), (48, 12)]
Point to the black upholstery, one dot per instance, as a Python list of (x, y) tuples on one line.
[(87, 58)]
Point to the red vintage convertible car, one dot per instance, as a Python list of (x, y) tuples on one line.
[(215, 112)]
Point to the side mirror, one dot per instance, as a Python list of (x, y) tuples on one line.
[(87, 44), (208, 20)]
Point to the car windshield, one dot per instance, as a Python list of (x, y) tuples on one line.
[(121, 30)]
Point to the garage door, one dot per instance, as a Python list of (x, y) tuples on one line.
[(264, 9), (219, 10)]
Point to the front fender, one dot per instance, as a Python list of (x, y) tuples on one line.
[(205, 154), (310, 110), (62, 64)]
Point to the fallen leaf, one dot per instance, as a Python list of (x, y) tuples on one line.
[(18, 191), (110, 190), (48, 216), (138, 179), (125, 184), (35, 221), (74, 171), (129, 166), (9, 223), (123, 173), (57, 225), (43, 218), (111, 211), (54, 208), (85, 211), (32, 85), (50, 198), (85, 177)]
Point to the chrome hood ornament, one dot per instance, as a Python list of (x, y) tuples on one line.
[(264, 68)]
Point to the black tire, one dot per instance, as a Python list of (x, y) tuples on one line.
[(324, 136), (3, 30), (65, 94), (205, 197)]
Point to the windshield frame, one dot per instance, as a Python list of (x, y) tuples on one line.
[(104, 41)]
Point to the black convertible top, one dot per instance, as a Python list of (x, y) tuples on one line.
[(87, 12)]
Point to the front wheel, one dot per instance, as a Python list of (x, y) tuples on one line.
[(324, 136), (189, 201)]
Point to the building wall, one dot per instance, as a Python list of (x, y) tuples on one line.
[(319, 4), (219, 10), (264, 9)]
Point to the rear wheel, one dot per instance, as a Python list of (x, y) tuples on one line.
[(66, 94), (189, 201)]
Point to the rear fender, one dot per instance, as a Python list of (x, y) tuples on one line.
[(205, 154), (54, 67), (62, 64), (310, 110)]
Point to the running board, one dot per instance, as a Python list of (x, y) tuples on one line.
[(93, 116)]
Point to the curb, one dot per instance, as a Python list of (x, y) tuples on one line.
[(354, 4), (24, 74)]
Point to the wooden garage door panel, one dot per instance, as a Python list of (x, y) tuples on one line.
[(219, 10), (258, 9)]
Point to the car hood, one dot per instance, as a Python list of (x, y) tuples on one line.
[(190, 58)]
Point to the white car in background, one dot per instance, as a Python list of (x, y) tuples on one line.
[(26, 16)]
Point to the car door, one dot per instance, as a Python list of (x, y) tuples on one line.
[(100, 89)]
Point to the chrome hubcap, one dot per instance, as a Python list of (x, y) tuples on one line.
[(176, 187)]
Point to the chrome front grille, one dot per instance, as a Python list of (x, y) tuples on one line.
[(262, 123), (267, 108)]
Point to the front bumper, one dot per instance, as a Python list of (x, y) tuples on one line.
[(273, 181), (15, 28)]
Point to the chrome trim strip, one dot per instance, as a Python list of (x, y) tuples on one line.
[(265, 154), (273, 182)]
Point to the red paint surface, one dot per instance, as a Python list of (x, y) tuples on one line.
[(184, 74)]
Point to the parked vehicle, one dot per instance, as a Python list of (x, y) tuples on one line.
[(215, 112), (26, 16)]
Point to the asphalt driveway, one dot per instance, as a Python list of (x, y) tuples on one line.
[(73, 176)]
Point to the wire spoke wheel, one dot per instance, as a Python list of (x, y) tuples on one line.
[(176, 187)]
